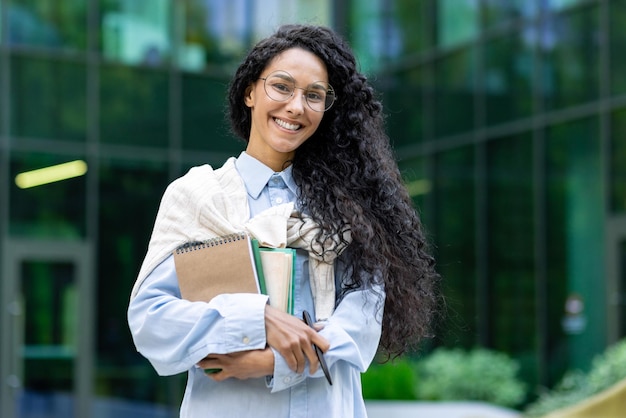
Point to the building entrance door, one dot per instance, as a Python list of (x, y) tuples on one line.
[(616, 269), (46, 335)]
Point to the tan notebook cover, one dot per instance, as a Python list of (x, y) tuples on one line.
[(216, 266)]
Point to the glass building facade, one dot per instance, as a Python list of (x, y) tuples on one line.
[(508, 120)]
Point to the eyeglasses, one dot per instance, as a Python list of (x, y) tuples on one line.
[(280, 86)]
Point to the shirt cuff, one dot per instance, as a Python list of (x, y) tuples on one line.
[(244, 320), (283, 377)]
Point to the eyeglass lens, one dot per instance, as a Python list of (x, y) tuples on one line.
[(280, 86)]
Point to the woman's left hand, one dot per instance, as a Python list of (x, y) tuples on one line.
[(241, 365)]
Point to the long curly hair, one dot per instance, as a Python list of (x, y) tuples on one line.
[(348, 178)]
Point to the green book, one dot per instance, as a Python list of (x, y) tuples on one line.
[(276, 272)]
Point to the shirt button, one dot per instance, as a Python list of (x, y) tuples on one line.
[(279, 200), (287, 379), (246, 340)]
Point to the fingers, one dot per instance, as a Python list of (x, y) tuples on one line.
[(294, 340), (239, 365)]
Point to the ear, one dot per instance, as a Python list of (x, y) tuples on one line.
[(248, 97)]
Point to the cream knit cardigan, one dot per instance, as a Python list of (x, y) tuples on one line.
[(207, 203)]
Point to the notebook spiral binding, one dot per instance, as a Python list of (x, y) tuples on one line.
[(212, 242)]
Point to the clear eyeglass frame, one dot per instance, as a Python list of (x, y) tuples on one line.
[(280, 86)]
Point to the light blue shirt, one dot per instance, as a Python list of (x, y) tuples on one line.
[(175, 334)]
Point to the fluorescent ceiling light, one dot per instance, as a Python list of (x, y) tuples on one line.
[(51, 174)]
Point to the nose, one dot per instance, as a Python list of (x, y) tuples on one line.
[(297, 101)]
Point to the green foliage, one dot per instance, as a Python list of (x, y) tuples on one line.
[(478, 375), (390, 381), (606, 370)]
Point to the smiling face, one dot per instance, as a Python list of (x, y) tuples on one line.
[(278, 128)]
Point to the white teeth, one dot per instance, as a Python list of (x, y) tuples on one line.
[(287, 125)]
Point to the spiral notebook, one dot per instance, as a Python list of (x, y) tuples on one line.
[(220, 265)]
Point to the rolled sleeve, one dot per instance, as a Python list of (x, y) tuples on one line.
[(174, 334)]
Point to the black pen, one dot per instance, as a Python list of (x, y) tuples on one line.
[(320, 356)]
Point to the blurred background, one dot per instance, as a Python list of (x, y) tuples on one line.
[(508, 119)]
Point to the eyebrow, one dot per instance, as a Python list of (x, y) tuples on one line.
[(313, 85)]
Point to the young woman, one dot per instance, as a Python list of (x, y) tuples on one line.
[(318, 163)]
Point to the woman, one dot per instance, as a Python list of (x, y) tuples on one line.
[(315, 140)]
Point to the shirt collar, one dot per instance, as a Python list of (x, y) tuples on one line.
[(255, 175)]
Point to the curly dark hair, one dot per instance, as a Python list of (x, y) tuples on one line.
[(348, 178)]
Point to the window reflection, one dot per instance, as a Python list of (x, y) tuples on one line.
[(497, 11), (52, 24), (618, 162), (130, 191), (511, 273), (454, 232), (404, 93), (458, 21), (454, 92), (617, 46), (558, 4), (218, 33), (569, 49), (508, 76), (214, 32), (48, 98), (204, 126), (136, 32), (135, 105), (573, 220)]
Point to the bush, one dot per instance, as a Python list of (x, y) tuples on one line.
[(479, 375), (390, 381), (606, 370)]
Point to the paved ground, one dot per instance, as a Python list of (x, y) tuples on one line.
[(390, 409)]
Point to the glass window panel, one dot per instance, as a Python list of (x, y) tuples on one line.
[(129, 196), (367, 39), (3, 7), (136, 32), (508, 73), (410, 23), (218, 33), (419, 183), (556, 5), (569, 48), (455, 241), (387, 31), (403, 103), (134, 106), (617, 35), (48, 292), (53, 210), (510, 228), (498, 11), (50, 24), (277, 12), (454, 92), (457, 21), (617, 182), (574, 251), (205, 125), (48, 98)]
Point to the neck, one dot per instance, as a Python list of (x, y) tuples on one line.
[(277, 162)]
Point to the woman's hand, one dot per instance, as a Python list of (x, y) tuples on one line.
[(293, 339), (241, 365)]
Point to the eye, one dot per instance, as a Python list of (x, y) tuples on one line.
[(282, 88), (315, 96)]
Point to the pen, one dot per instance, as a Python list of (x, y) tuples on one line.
[(320, 356)]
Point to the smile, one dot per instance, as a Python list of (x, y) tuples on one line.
[(286, 125)]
